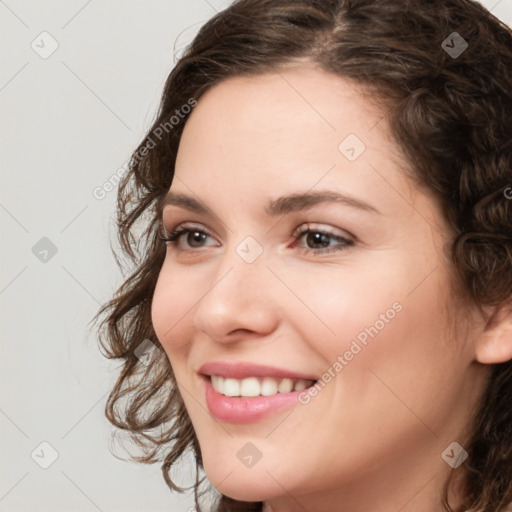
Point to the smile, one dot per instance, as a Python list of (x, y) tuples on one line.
[(243, 392), (257, 386)]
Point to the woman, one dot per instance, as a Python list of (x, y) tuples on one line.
[(325, 276)]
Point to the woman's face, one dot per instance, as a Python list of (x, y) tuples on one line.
[(311, 257)]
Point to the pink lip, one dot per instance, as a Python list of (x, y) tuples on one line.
[(247, 409), (243, 370)]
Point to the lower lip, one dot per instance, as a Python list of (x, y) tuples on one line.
[(246, 409)]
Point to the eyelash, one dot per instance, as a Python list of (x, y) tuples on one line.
[(174, 237)]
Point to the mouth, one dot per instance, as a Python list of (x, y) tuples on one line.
[(257, 386), (246, 393)]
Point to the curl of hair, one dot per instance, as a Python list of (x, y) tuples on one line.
[(452, 118)]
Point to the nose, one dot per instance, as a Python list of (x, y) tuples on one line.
[(239, 302)]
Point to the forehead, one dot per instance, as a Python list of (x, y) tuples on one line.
[(294, 106), (283, 131)]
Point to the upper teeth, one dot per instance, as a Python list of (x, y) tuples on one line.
[(254, 386)]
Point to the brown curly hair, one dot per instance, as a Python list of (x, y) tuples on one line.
[(451, 116)]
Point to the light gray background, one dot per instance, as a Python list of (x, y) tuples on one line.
[(69, 122)]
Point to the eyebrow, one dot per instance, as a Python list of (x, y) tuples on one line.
[(280, 206)]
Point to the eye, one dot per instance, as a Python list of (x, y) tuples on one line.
[(194, 239), (320, 240)]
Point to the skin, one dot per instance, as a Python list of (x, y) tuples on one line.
[(372, 439)]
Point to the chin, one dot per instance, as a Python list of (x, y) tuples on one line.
[(245, 484)]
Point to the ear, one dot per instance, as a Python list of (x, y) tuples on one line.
[(494, 345)]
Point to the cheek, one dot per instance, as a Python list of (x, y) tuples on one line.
[(402, 365), (374, 323), (172, 301), (330, 308)]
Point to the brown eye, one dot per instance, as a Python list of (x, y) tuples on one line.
[(191, 237), (195, 238), (318, 239), (321, 240)]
